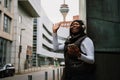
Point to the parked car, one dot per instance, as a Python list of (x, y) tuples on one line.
[(7, 70), (62, 63)]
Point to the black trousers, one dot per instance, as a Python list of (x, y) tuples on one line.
[(67, 75)]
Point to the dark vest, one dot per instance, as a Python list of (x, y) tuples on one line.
[(73, 64)]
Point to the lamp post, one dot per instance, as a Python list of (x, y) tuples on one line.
[(64, 10), (20, 50)]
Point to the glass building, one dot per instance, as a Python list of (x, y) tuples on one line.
[(43, 53)]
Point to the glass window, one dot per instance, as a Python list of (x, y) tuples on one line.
[(0, 2), (7, 4), (35, 20), (7, 24), (5, 51), (2, 51)]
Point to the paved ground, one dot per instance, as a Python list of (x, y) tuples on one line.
[(44, 73)]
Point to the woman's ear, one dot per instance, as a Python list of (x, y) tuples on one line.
[(83, 26)]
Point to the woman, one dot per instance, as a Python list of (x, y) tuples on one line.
[(78, 52)]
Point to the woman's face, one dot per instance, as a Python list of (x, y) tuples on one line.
[(75, 27)]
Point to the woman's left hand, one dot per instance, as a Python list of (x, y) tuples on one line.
[(73, 50)]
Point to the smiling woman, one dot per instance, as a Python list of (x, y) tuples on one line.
[(52, 9), (78, 52)]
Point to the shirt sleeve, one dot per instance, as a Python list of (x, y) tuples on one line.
[(88, 48), (56, 45)]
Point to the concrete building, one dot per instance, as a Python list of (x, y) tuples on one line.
[(6, 30), (44, 50), (25, 39), (24, 13), (16, 31)]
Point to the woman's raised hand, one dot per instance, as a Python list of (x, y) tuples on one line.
[(56, 27)]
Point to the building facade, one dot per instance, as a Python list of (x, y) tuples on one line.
[(26, 35), (25, 39), (45, 54), (24, 13), (34, 55), (6, 30), (16, 31), (44, 48)]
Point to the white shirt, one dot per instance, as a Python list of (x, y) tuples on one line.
[(86, 46)]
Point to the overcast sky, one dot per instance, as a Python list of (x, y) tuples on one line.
[(52, 7)]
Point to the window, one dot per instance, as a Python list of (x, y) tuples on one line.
[(44, 27), (20, 19), (2, 51), (7, 4), (7, 24), (0, 1), (35, 20), (5, 51), (0, 18)]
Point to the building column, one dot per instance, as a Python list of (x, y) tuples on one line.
[(82, 10)]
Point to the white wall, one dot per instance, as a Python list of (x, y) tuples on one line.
[(27, 35), (82, 10), (44, 20)]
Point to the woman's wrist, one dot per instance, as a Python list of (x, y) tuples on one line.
[(54, 31)]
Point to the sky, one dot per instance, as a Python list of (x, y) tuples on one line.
[(52, 7)]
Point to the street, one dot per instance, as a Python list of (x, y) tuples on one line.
[(50, 73)]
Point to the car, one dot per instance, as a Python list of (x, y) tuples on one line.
[(7, 70), (62, 63)]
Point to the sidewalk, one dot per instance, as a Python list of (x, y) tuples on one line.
[(35, 69), (38, 73)]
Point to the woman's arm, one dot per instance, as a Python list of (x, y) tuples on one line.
[(55, 41), (56, 45), (88, 48)]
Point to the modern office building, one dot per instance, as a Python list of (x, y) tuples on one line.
[(44, 48)]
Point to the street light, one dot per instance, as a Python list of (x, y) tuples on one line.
[(64, 10), (20, 50)]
